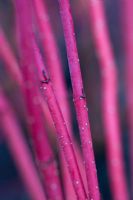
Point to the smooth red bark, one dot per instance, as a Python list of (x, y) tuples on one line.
[(79, 99)]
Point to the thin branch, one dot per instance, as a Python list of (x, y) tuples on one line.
[(45, 157), (79, 99), (127, 30), (19, 150), (55, 70), (109, 100)]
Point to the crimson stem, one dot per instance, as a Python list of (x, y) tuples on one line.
[(109, 100), (55, 69), (65, 143), (79, 99), (127, 24), (19, 150), (44, 154)]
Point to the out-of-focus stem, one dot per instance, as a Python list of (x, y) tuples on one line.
[(15, 72), (9, 58), (13, 69), (79, 99), (45, 157), (127, 30), (109, 100), (19, 150)]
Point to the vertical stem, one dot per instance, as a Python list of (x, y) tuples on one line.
[(19, 150), (109, 100), (64, 139), (9, 58), (53, 60), (68, 187), (79, 99), (55, 70), (45, 157), (127, 20), (13, 69), (63, 136)]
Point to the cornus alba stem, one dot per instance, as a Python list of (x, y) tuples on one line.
[(66, 176), (13, 69), (55, 70), (79, 99), (19, 150), (52, 58), (62, 135), (127, 19), (44, 154), (9, 58), (60, 125), (109, 100)]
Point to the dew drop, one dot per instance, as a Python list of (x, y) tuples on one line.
[(85, 107), (77, 182), (83, 128)]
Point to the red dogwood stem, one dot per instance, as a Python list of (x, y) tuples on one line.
[(127, 24), (46, 161), (19, 150), (79, 99), (65, 173), (55, 70), (65, 142), (13, 69), (9, 58), (53, 61), (109, 100)]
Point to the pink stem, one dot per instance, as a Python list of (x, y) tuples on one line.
[(53, 60), (66, 176), (109, 100), (60, 125), (9, 58), (62, 134), (13, 69), (55, 70), (127, 20), (79, 99), (45, 157), (20, 151)]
